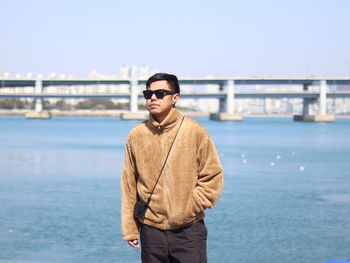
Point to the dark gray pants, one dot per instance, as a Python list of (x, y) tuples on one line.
[(183, 245)]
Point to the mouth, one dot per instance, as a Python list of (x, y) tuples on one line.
[(153, 106)]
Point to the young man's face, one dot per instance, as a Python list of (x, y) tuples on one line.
[(160, 108)]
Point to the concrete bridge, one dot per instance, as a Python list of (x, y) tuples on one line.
[(226, 93)]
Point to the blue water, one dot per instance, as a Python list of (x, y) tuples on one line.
[(286, 196)]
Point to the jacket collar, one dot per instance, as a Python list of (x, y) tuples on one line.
[(167, 124)]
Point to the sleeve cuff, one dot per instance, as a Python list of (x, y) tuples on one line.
[(130, 237)]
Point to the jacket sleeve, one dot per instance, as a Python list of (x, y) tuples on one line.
[(210, 176), (129, 223)]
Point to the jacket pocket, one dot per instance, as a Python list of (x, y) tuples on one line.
[(197, 208)]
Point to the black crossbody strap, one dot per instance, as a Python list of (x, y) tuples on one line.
[(166, 158)]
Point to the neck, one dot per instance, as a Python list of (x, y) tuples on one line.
[(160, 118)]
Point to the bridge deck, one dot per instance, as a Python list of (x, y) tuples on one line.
[(218, 95), (183, 81)]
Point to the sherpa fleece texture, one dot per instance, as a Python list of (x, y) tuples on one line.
[(192, 179)]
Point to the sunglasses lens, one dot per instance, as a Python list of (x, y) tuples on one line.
[(159, 94), (147, 94)]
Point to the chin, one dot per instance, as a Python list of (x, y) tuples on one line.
[(154, 111)]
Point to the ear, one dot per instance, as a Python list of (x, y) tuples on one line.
[(175, 99)]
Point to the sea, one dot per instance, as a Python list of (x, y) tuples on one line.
[(286, 197)]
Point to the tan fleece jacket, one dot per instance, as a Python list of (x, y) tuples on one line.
[(192, 179)]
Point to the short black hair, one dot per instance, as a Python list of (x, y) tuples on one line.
[(171, 79)]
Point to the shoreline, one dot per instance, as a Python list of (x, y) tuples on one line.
[(118, 113)]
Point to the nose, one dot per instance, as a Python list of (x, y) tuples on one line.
[(154, 97)]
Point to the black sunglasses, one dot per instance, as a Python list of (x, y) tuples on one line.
[(160, 93)]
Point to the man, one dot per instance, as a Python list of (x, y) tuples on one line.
[(172, 229)]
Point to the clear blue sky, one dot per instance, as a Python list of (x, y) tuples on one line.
[(188, 38)]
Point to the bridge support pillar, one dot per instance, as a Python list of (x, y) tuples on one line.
[(230, 97), (226, 106), (322, 116), (39, 112), (133, 114), (38, 104), (133, 106), (323, 97), (38, 101)]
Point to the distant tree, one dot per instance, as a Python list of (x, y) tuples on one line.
[(101, 104), (60, 104), (85, 105), (10, 104)]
